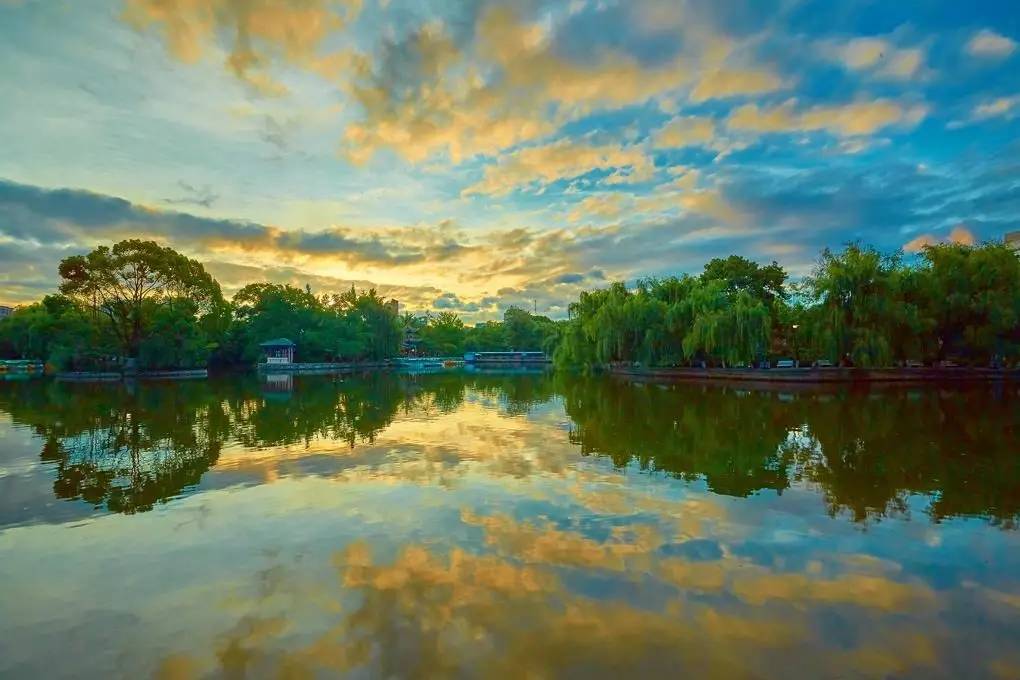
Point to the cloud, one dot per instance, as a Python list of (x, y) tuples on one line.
[(202, 196), (725, 83), (876, 56), (70, 216), (563, 159), (509, 83), (686, 131), (959, 235), (255, 34), (857, 118), (988, 44), (452, 302), (1001, 107), (1004, 108), (748, 208), (603, 206), (232, 276)]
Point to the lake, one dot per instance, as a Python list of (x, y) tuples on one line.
[(465, 524)]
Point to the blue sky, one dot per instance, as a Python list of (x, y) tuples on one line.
[(473, 155)]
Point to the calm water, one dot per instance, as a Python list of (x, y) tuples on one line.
[(463, 525)]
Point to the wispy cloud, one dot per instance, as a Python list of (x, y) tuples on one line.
[(876, 57), (202, 196), (564, 159), (864, 117), (988, 44)]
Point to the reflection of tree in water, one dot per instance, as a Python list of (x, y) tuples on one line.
[(123, 447), (732, 440), (867, 451), (129, 447), (516, 393), (347, 409)]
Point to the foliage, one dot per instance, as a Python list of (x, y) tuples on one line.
[(738, 274), (972, 298), (857, 306), (132, 280), (173, 340), (443, 335), (58, 331), (142, 301), (345, 326)]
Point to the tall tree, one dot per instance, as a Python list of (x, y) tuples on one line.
[(444, 335), (766, 283), (973, 299), (857, 309), (132, 278)]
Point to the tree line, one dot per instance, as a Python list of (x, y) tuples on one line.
[(141, 301), (857, 307), (147, 304)]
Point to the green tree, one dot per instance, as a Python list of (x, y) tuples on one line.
[(766, 283), (857, 305), (268, 310), (487, 337), (57, 331), (444, 335), (732, 327), (973, 300), (172, 339), (131, 279)]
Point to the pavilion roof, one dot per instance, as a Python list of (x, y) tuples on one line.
[(277, 342)]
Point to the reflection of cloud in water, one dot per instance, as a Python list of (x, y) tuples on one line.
[(515, 614), (441, 448)]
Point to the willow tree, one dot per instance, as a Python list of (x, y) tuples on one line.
[(129, 282), (973, 299), (857, 314), (731, 327)]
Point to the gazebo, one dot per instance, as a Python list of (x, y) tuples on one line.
[(278, 351)]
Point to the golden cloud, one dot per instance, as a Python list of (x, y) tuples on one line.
[(960, 235), (686, 131), (877, 56), (601, 206), (1001, 107), (991, 45), (710, 202), (727, 82), (560, 160), (857, 118), (260, 31), (510, 88)]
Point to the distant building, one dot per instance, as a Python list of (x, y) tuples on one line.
[(278, 351), (411, 340), (5, 311), (1013, 240)]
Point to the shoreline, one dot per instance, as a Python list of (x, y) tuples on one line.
[(823, 376), (325, 368), (115, 376)]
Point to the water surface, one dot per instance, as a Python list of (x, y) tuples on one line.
[(501, 525)]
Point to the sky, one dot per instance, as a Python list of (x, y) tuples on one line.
[(468, 156)]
